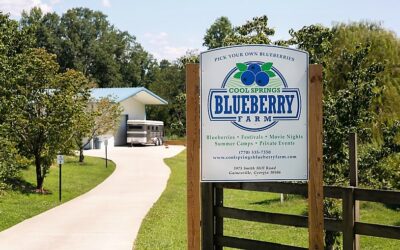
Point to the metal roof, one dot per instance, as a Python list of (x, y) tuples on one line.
[(121, 94)]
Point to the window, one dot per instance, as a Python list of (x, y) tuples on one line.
[(135, 127)]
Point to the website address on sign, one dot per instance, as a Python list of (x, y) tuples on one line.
[(255, 157)]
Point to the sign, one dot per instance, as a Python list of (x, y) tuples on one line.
[(106, 142), (254, 114), (60, 159)]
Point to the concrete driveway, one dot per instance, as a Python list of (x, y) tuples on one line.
[(107, 217)]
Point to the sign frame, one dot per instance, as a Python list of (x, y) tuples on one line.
[(304, 105)]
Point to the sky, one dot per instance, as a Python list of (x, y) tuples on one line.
[(169, 28)]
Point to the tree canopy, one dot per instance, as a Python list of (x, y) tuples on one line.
[(84, 40), (218, 31)]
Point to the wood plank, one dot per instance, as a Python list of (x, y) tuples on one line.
[(219, 221), (348, 219), (271, 187), (275, 218), (354, 180), (333, 192), (193, 155), (384, 196), (315, 183), (253, 244), (392, 232), (207, 216), (333, 225), (264, 217)]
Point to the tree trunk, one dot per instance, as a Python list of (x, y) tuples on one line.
[(81, 156), (39, 175)]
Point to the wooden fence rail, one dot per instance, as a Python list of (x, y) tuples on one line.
[(212, 222)]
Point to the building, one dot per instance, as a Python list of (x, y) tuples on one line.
[(133, 102)]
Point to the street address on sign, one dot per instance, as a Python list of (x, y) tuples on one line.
[(254, 114)]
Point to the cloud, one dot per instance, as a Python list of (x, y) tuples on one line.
[(106, 3), (160, 39), (15, 7), (159, 45)]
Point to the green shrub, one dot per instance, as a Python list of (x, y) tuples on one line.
[(11, 163)]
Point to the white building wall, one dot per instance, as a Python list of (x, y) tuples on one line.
[(134, 109)]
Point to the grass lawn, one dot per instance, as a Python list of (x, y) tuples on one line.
[(18, 205), (165, 225)]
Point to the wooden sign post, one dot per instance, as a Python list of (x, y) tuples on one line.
[(315, 182), (193, 155)]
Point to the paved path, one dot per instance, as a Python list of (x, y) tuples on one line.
[(107, 217)]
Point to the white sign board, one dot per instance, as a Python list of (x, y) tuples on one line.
[(254, 114), (60, 159)]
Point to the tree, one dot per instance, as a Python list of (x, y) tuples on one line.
[(169, 82), (84, 40), (13, 42), (45, 107), (255, 31), (99, 118), (218, 31)]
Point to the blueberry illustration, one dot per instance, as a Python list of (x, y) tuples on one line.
[(262, 79), (247, 77), (255, 68)]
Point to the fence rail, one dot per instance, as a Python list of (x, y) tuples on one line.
[(213, 219)]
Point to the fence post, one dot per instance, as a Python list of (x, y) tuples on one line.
[(348, 218), (193, 155), (354, 181), (207, 216), (219, 221)]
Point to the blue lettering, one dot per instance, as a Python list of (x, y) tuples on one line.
[(236, 106), (253, 104), (245, 109), (228, 108), (263, 100), (271, 106), (289, 100), (281, 104), (218, 104)]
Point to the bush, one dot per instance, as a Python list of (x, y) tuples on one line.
[(11, 163)]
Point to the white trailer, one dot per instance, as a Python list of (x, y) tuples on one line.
[(144, 132)]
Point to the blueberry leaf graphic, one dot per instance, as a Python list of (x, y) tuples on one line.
[(241, 66), (270, 73), (238, 75), (266, 66)]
